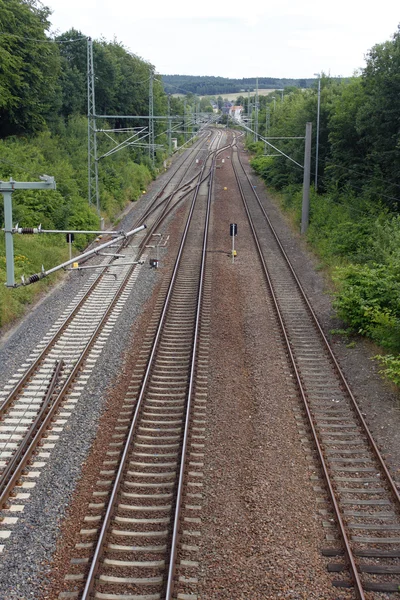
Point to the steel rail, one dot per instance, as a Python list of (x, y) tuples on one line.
[(36, 363), (168, 209), (355, 406), (23, 447), (29, 444), (152, 206), (179, 495), (95, 562), (64, 390), (346, 542), (191, 190)]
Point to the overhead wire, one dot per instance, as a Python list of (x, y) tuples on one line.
[(46, 41), (20, 168)]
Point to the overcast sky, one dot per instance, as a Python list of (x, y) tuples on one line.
[(284, 38)]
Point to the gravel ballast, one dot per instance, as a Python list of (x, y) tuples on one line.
[(377, 398), (27, 552), (261, 530)]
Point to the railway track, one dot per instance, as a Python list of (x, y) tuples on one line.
[(135, 513), (363, 498), (28, 410)]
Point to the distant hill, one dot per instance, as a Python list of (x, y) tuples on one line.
[(214, 86)]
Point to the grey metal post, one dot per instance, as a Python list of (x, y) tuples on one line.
[(6, 189), (96, 178), (184, 119), (256, 114), (317, 145), (250, 115), (305, 210), (8, 225), (151, 120), (169, 126), (93, 184), (267, 125)]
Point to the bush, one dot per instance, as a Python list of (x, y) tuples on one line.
[(390, 367), (63, 156), (368, 300)]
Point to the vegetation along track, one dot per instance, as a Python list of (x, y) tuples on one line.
[(364, 503), (46, 388), (137, 501)]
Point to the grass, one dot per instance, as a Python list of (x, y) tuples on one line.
[(30, 253)]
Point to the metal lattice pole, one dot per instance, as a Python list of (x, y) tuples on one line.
[(305, 209), (93, 173), (256, 114), (317, 141), (267, 126), (169, 126), (184, 119), (151, 118), (250, 115)]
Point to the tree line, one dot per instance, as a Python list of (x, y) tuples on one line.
[(43, 129), (212, 86), (43, 78)]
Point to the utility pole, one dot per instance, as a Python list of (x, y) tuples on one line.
[(6, 189), (169, 126), (250, 114), (305, 209), (93, 164), (184, 119), (248, 107), (256, 114), (267, 126), (151, 119), (317, 144)]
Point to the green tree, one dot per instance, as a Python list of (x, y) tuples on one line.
[(378, 118), (73, 52), (29, 68)]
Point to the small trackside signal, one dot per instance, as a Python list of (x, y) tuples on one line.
[(233, 233)]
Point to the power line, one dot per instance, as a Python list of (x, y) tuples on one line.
[(330, 164), (47, 41), (19, 167), (357, 187)]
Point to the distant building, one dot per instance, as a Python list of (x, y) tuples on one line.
[(226, 107), (236, 112)]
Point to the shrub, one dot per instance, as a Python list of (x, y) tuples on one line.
[(368, 300)]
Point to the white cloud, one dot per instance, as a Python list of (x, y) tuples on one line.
[(286, 38)]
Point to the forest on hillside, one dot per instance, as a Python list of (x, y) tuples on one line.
[(43, 129), (214, 86), (354, 218)]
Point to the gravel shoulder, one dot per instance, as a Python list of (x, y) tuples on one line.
[(24, 561), (379, 400), (261, 532)]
